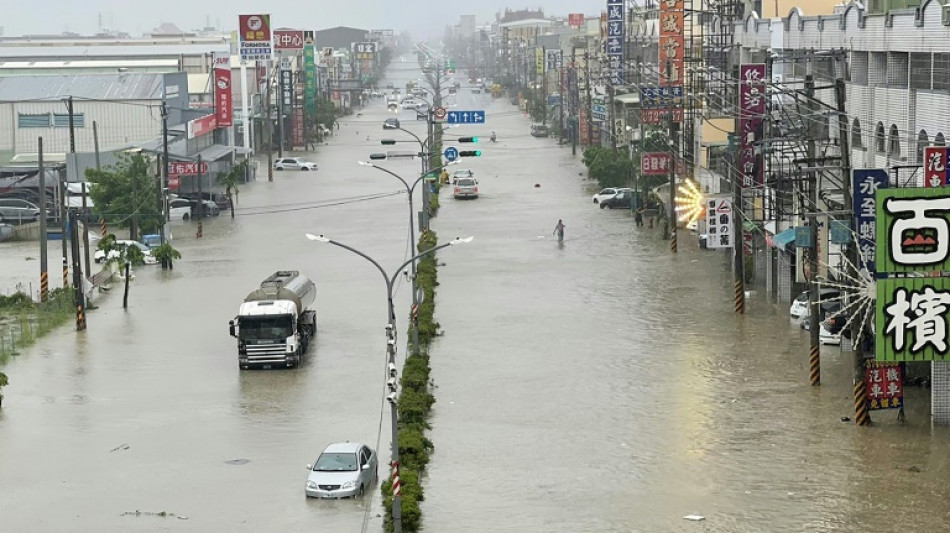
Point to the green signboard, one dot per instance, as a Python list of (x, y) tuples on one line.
[(913, 230), (911, 319), (310, 81)]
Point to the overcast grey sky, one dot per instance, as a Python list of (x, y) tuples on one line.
[(419, 17)]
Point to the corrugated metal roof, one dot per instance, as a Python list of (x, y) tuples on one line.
[(108, 63), (127, 86), (121, 50)]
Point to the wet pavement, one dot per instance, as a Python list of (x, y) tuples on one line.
[(598, 385)]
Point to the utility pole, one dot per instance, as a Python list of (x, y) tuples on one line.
[(738, 244), (163, 180), (612, 117), (280, 107), (814, 354), (862, 416), (777, 201), (77, 276), (562, 90), (269, 125), (574, 112), (44, 238), (673, 140)]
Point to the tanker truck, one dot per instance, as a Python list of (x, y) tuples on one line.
[(275, 323)]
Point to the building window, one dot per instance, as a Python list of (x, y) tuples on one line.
[(894, 144), (856, 141), (62, 120), (941, 68), (939, 140), (25, 120), (859, 68), (897, 63), (921, 70), (922, 141), (877, 71), (879, 143)]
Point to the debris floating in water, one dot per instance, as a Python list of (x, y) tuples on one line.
[(694, 517), (119, 447), (238, 461)]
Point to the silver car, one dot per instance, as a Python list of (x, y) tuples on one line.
[(466, 188), (18, 210), (343, 470)]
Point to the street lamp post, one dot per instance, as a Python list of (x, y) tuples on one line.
[(392, 372), (410, 190)]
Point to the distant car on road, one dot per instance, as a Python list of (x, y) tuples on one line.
[(391, 124), (799, 308), (609, 192), (19, 211), (539, 130), (466, 188), (462, 173), (294, 163), (343, 470), (100, 256)]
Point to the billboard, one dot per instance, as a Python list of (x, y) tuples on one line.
[(615, 39), (310, 75), (719, 223), (575, 20), (288, 40), (865, 183), (223, 95), (655, 163), (671, 42), (752, 113), (935, 166), (254, 37)]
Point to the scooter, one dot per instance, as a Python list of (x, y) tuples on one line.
[(493, 139)]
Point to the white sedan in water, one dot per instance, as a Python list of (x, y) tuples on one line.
[(609, 192)]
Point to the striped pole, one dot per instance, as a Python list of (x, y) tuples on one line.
[(103, 229), (862, 416), (65, 272), (199, 233), (397, 486), (80, 318), (740, 297), (814, 366), (44, 286), (673, 239)]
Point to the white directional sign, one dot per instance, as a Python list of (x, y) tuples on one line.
[(719, 223)]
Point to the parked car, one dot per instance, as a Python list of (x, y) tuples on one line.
[(100, 256), (19, 211), (609, 192), (391, 124), (294, 163), (466, 188), (179, 209), (219, 198), (476, 90), (462, 173), (343, 470), (799, 307), (409, 104), (623, 199), (211, 209), (539, 130)]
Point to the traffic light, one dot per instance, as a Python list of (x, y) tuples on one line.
[(387, 141), (377, 155), (468, 139), (470, 153)]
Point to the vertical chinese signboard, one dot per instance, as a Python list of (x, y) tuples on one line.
[(913, 235), (865, 183), (935, 166), (539, 61), (286, 87), (296, 130), (614, 43), (671, 42), (751, 114), (719, 223), (223, 97), (310, 75), (254, 37), (885, 385)]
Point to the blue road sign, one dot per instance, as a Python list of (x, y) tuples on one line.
[(465, 117), (451, 153)]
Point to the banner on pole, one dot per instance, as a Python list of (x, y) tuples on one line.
[(223, 95)]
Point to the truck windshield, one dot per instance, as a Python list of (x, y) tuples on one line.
[(277, 327)]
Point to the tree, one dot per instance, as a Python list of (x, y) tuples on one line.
[(3, 383), (230, 180), (166, 255), (127, 194), (123, 256)]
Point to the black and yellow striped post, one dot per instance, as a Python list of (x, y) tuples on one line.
[(862, 416), (814, 366), (44, 286), (740, 297), (80, 318), (103, 229), (200, 231), (65, 272)]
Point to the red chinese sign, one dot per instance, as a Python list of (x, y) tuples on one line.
[(575, 20), (751, 112), (655, 164), (186, 168), (935, 166), (658, 116), (201, 126), (671, 42), (174, 183), (885, 384), (288, 40), (223, 97), (254, 28)]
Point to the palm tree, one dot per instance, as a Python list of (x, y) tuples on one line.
[(230, 180), (127, 256), (166, 255)]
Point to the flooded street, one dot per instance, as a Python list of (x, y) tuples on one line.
[(602, 385)]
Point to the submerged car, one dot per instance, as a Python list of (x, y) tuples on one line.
[(799, 307), (391, 124), (100, 256), (609, 192), (466, 188), (462, 173), (623, 199), (294, 163), (343, 470)]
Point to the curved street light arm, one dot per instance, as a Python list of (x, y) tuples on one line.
[(393, 174), (410, 133), (417, 256)]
